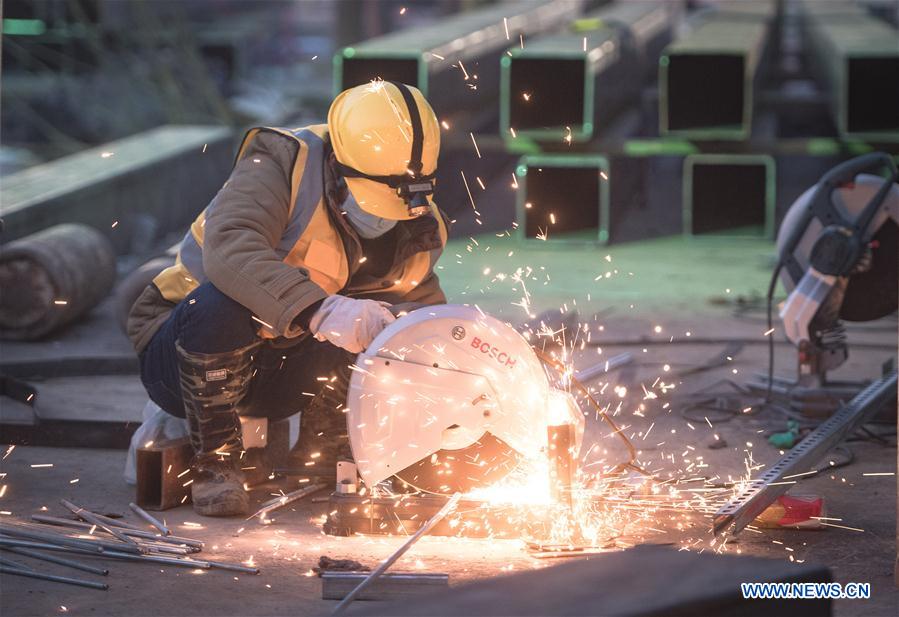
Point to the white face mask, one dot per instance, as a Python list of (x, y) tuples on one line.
[(366, 225)]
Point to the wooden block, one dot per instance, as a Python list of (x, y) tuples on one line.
[(159, 466)]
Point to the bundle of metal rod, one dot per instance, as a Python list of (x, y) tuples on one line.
[(113, 554), (137, 533), (455, 62), (279, 502), (856, 58), (707, 78), (110, 554), (47, 534), (600, 64)]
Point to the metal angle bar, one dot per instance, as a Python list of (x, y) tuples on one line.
[(763, 491)]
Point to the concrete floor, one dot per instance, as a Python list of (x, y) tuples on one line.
[(656, 284)]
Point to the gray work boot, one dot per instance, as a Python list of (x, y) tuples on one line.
[(212, 385), (324, 438)]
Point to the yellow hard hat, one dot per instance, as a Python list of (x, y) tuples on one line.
[(386, 140)]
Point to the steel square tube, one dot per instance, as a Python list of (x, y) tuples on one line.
[(572, 84), (571, 189)]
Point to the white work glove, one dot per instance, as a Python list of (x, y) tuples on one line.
[(350, 323)]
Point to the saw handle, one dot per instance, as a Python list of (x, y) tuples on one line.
[(405, 307), (846, 172)]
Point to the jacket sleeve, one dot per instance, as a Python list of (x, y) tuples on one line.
[(243, 226)]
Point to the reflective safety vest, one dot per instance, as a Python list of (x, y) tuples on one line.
[(310, 240)]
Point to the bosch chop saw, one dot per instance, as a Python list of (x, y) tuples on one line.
[(447, 399)]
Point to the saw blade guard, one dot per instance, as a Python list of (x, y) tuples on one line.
[(438, 379)]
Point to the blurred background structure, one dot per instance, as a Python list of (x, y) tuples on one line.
[(632, 160), (567, 125)]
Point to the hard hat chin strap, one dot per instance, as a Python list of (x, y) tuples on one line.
[(413, 187)]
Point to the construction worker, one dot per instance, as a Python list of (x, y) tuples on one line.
[(289, 273)]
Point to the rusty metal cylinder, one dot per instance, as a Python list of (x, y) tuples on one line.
[(51, 278)]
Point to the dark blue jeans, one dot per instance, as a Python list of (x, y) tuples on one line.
[(209, 322)]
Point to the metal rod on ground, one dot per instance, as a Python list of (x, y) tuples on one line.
[(615, 362), (94, 542), (59, 560), (221, 565), (45, 546), (137, 533), (51, 538), (149, 519), (441, 514), (14, 564), (91, 518), (172, 550), (172, 561), (115, 522), (282, 501), (54, 578)]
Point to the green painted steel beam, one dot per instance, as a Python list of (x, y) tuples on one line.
[(463, 37), (707, 78), (554, 87), (23, 27), (589, 171), (856, 58)]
